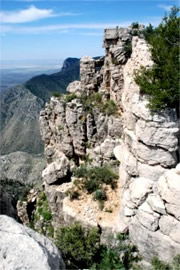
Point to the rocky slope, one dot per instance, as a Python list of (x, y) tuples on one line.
[(23, 248), (105, 117), (20, 107)]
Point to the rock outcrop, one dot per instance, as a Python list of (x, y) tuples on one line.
[(79, 127), (23, 248)]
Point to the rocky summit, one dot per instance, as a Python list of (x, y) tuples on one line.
[(105, 120)]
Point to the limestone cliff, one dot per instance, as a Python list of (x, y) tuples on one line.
[(105, 117)]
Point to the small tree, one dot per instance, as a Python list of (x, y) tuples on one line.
[(161, 82)]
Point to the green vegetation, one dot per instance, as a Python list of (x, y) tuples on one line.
[(135, 25), (92, 179), (57, 94), (81, 249), (159, 265), (70, 97), (42, 221), (161, 82), (95, 100), (73, 193)]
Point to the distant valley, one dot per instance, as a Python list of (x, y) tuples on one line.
[(21, 104), (14, 76)]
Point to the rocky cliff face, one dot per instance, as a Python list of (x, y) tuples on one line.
[(105, 117)]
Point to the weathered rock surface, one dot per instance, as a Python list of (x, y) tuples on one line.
[(23, 248), (145, 144), (158, 221)]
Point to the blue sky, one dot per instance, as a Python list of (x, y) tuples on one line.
[(58, 29)]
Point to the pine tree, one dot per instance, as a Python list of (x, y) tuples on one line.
[(161, 82)]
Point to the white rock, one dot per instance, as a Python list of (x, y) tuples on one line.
[(156, 203), (169, 187), (139, 189), (156, 136), (152, 244), (145, 207), (150, 221), (56, 170), (117, 152), (128, 212), (74, 87), (173, 209), (150, 172), (171, 227), (22, 248)]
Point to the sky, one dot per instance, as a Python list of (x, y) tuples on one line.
[(38, 30)]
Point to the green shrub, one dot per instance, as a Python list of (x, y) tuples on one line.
[(95, 100), (73, 194), (70, 97), (159, 265), (161, 82), (135, 25), (110, 256), (100, 195), (79, 247), (56, 94), (176, 262), (110, 108), (42, 217), (115, 61), (94, 177)]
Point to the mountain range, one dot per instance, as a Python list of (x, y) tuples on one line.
[(21, 104)]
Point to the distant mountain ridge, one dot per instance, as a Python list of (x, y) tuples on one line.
[(44, 85), (20, 107)]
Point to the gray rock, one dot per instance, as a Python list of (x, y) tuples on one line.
[(171, 227), (152, 244), (57, 170), (23, 248), (150, 221), (156, 203), (139, 189)]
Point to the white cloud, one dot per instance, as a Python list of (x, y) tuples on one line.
[(64, 28), (29, 15), (59, 27), (165, 7)]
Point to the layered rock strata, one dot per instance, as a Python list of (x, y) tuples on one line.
[(145, 143)]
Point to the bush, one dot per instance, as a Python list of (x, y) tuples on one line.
[(73, 194), (79, 247), (42, 218), (161, 82), (56, 94), (70, 97), (110, 108), (100, 195), (120, 256), (159, 265), (95, 100), (94, 177)]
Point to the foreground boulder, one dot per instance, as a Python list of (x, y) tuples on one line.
[(23, 248)]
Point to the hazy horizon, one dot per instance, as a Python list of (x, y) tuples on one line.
[(36, 29)]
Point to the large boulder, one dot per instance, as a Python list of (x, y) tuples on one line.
[(22, 248)]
